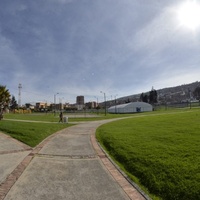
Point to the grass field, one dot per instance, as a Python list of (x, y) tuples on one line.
[(50, 117), (72, 117), (33, 117), (33, 133), (159, 152), (28, 132)]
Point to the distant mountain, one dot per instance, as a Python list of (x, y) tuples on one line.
[(176, 94)]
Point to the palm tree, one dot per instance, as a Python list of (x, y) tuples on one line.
[(4, 99)]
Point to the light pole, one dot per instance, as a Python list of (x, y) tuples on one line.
[(55, 103), (97, 105), (115, 104), (104, 100), (97, 100), (60, 103)]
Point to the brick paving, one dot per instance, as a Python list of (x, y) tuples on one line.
[(7, 184), (12, 178), (132, 192)]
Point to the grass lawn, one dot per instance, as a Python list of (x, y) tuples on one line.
[(30, 133), (71, 117), (33, 116), (33, 133), (74, 117), (159, 152)]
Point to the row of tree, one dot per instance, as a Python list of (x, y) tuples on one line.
[(150, 97)]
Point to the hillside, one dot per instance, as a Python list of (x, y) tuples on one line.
[(176, 94)]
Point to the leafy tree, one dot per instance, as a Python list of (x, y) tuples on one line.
[(196, 93), (149, 98), (13, 103), (153, 96), (4, 99), (144, 97)]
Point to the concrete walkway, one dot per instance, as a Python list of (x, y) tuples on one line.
[(68, 165)]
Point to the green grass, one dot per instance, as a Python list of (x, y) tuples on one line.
[(159, 152), (30, 133), (33, 117), (33, 133), (72, 117)]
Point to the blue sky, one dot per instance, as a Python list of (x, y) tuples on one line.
[(82, 47)]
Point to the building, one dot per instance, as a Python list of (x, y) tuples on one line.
[(132, 107), (40, 106), (91, 105), (59, 106), (80, 102)]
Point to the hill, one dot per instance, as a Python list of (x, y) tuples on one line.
[(176, 94)]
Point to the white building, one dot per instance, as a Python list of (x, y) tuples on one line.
[(131, 108)]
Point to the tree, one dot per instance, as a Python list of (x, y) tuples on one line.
[(4, 99), (144, 97), (153, 96), (196, 93), (13, 103)]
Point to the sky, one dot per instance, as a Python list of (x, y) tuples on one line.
[(68, 48)]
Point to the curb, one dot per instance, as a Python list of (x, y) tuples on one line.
[(130, 188)]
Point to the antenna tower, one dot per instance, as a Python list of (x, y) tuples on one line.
[(19, 95)]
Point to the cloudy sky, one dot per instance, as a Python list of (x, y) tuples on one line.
[(82, 47)]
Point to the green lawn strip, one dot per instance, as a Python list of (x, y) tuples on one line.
[(71, 117), (50, 117), (33, 117), (30, 133), (161, 151)]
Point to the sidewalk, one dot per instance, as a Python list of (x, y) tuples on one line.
[(68, 165)]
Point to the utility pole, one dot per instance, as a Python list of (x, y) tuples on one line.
[(104, 100)]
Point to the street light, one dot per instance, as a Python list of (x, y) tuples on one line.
[(60, 103), (115, 104), (104, 100), (55, 103), (97, 100), (97, 105)]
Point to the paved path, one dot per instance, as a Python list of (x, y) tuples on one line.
[(68, 165)]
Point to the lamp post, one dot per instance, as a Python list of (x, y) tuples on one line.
[(104, 100), (60, 103), (115, 104), (55, 103), (96, 101), (97, 105)]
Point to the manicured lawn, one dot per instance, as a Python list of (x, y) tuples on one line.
[(34, 117), (30, 133), (72, 117), (161, 152)]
